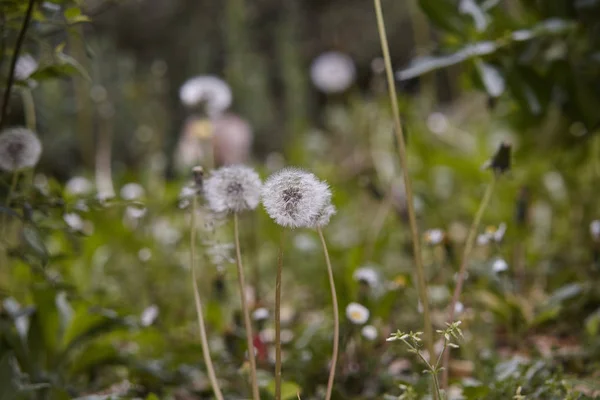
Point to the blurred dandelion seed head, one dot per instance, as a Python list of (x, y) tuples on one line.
[(332, 72), (295, 198), (79, 186), (233, 189), (132, 191), (25, 66), (210, 91), (366, 275), (357, 313), (369, 332), (19, 148)]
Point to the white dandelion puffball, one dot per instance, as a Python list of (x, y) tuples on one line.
[(19, 148), (132, 191), (212, 91), (332, 72), (357, 313), (295, 198), (25, 66), (367, 275), (79, 186), (233, 188), (74, 221), (369, 332)]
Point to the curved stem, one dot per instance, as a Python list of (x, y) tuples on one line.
[(336, 317), (407, 183), (13, 63), (463, 268), (278, 320), (245, 311), (203, 339)]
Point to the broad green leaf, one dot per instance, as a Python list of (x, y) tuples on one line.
[(72, 12), (289, 390)]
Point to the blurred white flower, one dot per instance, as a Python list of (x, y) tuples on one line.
[(233, 189), (210, 90), (267, 335), (499, 265), (437, 123), (555, 185), (498, 234), (368, 275), (165, 233), (595, 229), (483, 239), (286, 336), (26, 65), (79, 186), (260, 314), (459, 308), (492, 234), (219, 253), (369, 332), (434, 237), (132, 191), (149, 315), (357, 313), (135, 212), (74, 221), (19, 148), (304, 242), (144, 254), (332, 72)]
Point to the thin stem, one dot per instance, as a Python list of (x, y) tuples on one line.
[(245, 311), (278, 320), (13, 63), (407, 183), (336, 317), (203, 339), (463, 267)]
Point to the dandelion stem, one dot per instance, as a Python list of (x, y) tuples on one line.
[(245, 311), (278, 320), (336, 317), (203, 339), (13, 62), (422, 284), (463, 267)]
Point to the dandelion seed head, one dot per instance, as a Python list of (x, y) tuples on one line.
[(79, 186), (357, 313), (332, 72), (233, 188), (25, 66), (19, 148), (210, 90), (132, 191), (295, 198), (369, 332)]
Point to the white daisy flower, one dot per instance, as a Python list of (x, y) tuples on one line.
[(357, 313)]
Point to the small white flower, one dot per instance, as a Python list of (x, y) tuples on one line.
[(357, 313), (149, 315), (135, 212), (19, 148), (459, 308), (332, 72), (260, 314), (434, 236), (144, 254), (267, 335), (79, 186), (367, 275), (499, 265), (234, 189), (74, 221), (369, 332), (286, 336), (595, 229), (132, 191), (25, 66), (295, 198), (212, 91), (483, 239), (165, 233), (437, 123), (498, 235)]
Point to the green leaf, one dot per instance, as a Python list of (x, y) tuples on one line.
[(34, 241), (592, 323), (72, 12), (289, 390), (444, 14)]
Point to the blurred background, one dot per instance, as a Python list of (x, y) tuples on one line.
[(127, 95)]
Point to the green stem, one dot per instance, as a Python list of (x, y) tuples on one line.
[(245, 311), (278, 320), (203, 338), (29, 108), (463, 267), (336, 318), (422, 284)]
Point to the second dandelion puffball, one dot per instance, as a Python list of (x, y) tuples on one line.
[(19, 148), (233, 189), (295, 198)]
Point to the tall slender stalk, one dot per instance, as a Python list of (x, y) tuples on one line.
[(336, 317), (245, 311), (422, 284), (463, 267), (278, 319), (203, 339), (13, 63)]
